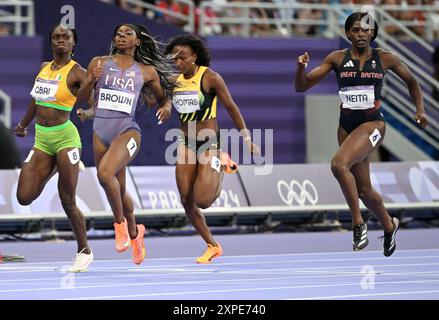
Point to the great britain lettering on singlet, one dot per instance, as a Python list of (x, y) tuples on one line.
[(360, 89), (368, 75)]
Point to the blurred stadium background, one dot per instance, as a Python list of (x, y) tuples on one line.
[(254, 46)]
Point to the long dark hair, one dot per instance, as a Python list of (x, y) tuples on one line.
[(148, 53)]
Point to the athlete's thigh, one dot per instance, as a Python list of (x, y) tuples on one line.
[(341, 135), (67, 161), (122, 150), (36, 169), (185, 171), (99, 149), (361, 142)]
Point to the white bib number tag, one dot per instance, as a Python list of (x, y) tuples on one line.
[(186, 102), (358, 98), (29, 156), (74, 156), (44, 90), (216, 164), (375, 137), (132, 146), (116, 100)]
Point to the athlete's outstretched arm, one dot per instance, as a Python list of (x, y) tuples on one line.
[(304, 81), (395, 64), (214, 82), (152, 81)]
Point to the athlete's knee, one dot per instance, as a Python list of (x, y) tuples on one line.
[(23, 199), (204, 202), (338, 167), (105, 176), (25, 196)]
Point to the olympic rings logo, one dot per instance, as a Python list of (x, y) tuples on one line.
[(294, 192)]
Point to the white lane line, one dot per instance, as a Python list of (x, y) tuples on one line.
[(322, 270), (300, 275), (29, 269), (167, 294), (149, 268), (188, 282), (368, 295), (184, 283), (398, 252)]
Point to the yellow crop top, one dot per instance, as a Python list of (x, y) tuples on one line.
[(51, 90)]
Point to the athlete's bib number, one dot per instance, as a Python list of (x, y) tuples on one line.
[(74, 156), (116, 100), (358, 98), (186, 102), (132, 146), (44, 90)]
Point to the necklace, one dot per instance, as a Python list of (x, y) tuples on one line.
[(58, 66)]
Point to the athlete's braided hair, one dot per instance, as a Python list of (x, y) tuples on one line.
[(197, 45), (358, 16), (148, 53)]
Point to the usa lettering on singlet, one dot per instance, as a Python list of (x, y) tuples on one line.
[(357, 97), (117, 96), (186, 101), (44, 90)]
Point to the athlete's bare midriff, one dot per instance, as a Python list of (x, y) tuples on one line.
[(49, 117), (206, 124)]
